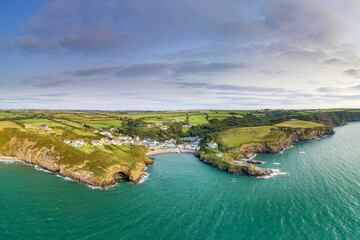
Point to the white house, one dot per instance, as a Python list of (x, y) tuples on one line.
[(213, 145), (106, 133), (116, 142), (96, 143)]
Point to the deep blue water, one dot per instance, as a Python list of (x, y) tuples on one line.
[(183, 198)]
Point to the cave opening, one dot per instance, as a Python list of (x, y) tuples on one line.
[(119, 177)]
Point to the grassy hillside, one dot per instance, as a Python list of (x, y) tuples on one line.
[(238, 136), (96, 160), (299, 124)]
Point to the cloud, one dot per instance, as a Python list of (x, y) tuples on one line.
[(353, 73), (146, 70), (108, 27), (335, 61), (91, 71), (303, 55), (272, 73), (228, 87), (206, 52), (208, 68)]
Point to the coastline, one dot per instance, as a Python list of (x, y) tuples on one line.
[(170, 150), (57, 174)]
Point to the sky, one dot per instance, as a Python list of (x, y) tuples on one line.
[(179, 54)]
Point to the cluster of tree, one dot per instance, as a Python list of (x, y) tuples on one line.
[(136, 127)]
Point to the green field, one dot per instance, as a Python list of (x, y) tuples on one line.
[(8, 124), (299, 124), (196, 119), (238, 136)]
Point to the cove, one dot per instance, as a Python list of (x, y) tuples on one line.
[(183, 198)]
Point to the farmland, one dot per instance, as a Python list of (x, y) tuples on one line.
[(299, 124), (238, 136)]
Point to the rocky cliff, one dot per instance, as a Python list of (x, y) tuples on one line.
[(52, 159), (247, 151), (288, 138)]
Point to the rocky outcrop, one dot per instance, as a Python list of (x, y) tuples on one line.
[(246, 151), (50, 159), (241, 169), (289, 137)]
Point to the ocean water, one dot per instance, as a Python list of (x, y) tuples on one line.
[(183, 198)]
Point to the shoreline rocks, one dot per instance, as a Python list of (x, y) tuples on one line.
[(49, 159)]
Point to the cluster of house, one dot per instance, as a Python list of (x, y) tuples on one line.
[(176, 120), (160, 125), (153, 144), (75, 143), (105, 141), (190, 139), (106, 133)]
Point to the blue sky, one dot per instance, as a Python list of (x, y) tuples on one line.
[(169, 55)]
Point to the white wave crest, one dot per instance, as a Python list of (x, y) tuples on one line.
[(66, 178), (253, 157), (9, 161), (274, 173), (41, 169), (143, 178)]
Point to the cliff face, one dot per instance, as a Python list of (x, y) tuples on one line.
[(289, 137), (241, 169), (246, 151), (51, 159)]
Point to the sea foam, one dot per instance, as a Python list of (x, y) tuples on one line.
[(41, 169), (9, 161), (274, 173), (143, 178)]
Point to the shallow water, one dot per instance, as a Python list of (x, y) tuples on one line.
[(183, 198)]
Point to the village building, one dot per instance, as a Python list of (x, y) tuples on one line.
[(67, 141), (105, 141), (106, 133), (164, 128), (219, 155), (44, 127), (96, 143), (186, 126), (158, 124), (116, 142), (213, 145)]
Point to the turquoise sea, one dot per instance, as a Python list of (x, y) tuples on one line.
[(183, 198)]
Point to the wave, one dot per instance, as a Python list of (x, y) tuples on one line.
[(282, 152), (92, 187), (143, 178), (253, 157), (302, 152), (9, 161), (66, 178), (274, 173), (41, 169), (277, 163)]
